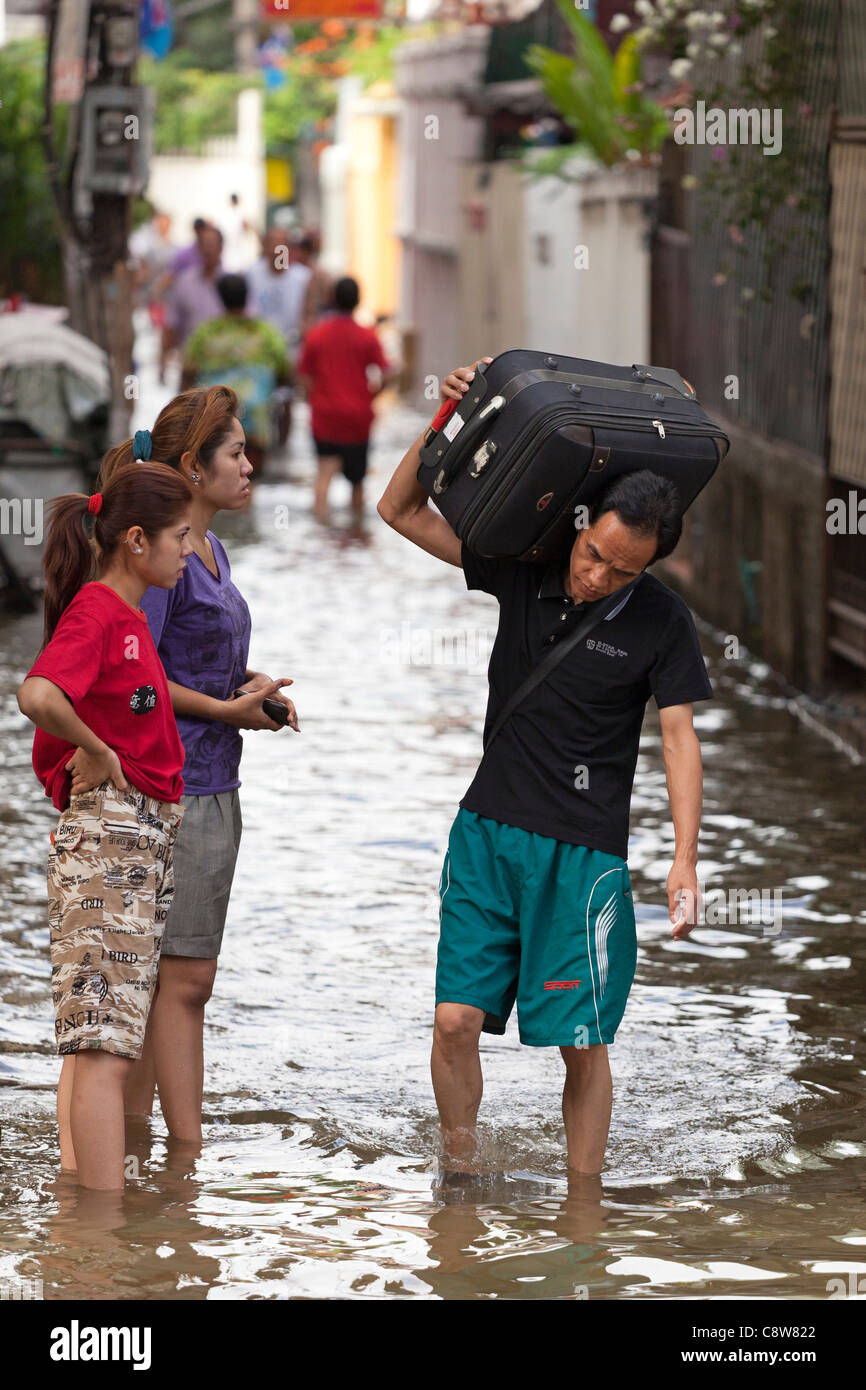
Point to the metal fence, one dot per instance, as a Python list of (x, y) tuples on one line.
[(758, 345)]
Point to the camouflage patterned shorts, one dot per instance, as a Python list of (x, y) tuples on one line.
[(110, 886)]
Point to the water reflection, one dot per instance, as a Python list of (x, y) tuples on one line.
[(736, 1158)]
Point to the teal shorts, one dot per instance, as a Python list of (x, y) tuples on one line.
[(523, 916)]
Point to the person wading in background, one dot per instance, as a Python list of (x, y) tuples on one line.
[(334, 371)]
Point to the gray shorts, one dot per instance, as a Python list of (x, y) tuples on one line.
[(205, 852)]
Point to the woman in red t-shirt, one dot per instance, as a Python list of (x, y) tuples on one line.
[(108, 753)]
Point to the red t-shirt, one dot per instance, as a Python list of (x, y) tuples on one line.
[(103, 658), (336, 354)]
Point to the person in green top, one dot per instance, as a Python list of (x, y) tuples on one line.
[(247, 354)]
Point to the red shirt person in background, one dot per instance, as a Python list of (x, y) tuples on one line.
[(333, 370)]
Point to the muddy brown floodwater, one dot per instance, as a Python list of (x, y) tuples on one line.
[(737, 1153)]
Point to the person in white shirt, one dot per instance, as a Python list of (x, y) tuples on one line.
[(233, 225), (277, 286)]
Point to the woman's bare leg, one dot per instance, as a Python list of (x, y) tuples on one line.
[(141, 1082), (64, 1097), (96, 1118), (177, 1024)]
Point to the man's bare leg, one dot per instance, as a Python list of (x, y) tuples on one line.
[(586, 1104), (329, 466), (457, 1082)]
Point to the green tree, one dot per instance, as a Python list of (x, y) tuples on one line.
[(192, 105), (30, 250)]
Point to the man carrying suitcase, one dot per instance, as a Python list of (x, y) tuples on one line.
[(535, 896)]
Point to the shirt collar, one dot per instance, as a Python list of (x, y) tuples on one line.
[(552, 587)]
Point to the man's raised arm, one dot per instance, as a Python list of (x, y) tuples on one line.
[(404, 503), (404, 506)]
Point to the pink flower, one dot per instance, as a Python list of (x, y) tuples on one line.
[(719, 278), (736, 235), (791, 200), (735, 21), (719, 152), (805, 110)]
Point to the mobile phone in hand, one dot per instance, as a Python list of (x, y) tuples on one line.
[(274, 709)]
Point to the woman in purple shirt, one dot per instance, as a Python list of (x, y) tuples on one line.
[(202, 634)]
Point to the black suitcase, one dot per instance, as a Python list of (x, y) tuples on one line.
[(538, 434)]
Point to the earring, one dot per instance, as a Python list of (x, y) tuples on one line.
[(195, 479)]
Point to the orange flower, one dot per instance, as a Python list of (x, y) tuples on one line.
[(312, 46), (333, 28)]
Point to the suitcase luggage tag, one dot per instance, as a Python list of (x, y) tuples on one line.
[(450, 420)]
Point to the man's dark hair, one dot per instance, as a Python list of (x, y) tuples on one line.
[(232, 290), (644, 502), (346, 294), (199, 224)]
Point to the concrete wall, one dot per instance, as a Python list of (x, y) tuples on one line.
[(492, 290), (555, 265), (436, 135), (753, 554)]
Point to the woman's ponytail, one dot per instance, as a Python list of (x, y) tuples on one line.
[(68, 558)]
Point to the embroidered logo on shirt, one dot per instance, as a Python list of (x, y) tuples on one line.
[(143, 700), (604, 647)]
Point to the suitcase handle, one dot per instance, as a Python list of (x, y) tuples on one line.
[(475, 426)]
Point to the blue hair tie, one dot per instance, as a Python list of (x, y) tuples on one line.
[(142, 446)]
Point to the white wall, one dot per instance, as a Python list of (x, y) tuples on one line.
[(188, 186)]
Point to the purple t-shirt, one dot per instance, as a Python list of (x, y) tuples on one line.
[(201, 629)]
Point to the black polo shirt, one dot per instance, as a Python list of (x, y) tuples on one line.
[(563, 765)]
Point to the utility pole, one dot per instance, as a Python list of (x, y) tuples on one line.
[(96, 177), (245, 22)]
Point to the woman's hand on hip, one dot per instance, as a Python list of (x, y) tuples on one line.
[(90, 769)]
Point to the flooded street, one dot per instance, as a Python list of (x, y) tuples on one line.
[(737, 1152)]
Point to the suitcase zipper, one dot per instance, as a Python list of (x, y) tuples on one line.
[(620, 420)]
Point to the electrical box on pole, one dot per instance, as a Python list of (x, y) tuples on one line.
[(116, 139)]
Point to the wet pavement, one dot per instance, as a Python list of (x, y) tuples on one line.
[(737, 1153)]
